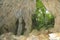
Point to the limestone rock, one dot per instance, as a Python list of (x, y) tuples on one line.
[(8, 19)]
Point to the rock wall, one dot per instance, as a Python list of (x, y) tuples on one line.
[(12, 11)]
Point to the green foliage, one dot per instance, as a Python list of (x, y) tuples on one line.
[(42, 18)]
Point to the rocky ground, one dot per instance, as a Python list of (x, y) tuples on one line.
[(9, 36), (34, 35)]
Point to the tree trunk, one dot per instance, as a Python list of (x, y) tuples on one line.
[(54, 7)]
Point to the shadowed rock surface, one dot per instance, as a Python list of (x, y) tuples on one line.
[(11, 14)]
